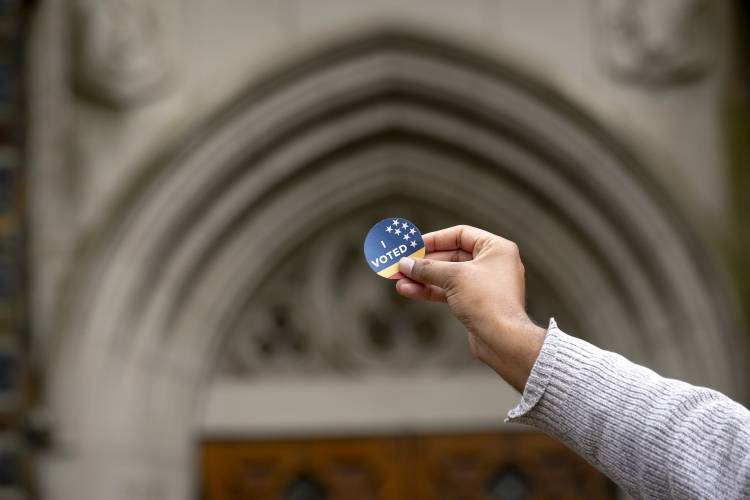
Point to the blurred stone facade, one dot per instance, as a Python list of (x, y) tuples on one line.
[(204, 173)]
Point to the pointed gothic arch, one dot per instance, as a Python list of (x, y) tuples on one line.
[(170, 268)]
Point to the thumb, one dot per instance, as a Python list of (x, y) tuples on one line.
[(428, 271)]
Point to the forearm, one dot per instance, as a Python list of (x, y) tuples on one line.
[(656, 437)]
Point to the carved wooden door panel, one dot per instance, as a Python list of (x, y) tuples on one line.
[(491, 466), (507, 466), (332, 469)]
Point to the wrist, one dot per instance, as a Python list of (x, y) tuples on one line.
[(516, 344)]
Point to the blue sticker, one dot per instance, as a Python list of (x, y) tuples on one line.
[(388, 241)]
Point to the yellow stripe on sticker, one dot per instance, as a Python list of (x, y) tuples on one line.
[(389, 271)]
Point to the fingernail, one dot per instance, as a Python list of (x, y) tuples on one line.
[(405, 265)]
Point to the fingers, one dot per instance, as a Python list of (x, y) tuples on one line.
[(417, 291), (450, 256), (430, 272), (464, 238)]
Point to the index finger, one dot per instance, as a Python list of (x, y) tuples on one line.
[(455, 238)]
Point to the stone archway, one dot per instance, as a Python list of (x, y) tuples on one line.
[(158, 287)]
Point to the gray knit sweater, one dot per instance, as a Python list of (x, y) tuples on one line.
[(655, 437)]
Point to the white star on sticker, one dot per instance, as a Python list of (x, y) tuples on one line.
[(412, 231), (404, 225), (413, 243), (406, 237), (398, 231), (388, 229), (395, 222)]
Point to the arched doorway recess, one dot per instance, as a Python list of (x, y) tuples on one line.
[(380, 121)]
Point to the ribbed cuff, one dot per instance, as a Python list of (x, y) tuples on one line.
[(540, 374), (542, 398)]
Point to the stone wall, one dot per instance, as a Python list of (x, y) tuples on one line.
[(205, 53)]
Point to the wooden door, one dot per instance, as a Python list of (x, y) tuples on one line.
[(487, 466)]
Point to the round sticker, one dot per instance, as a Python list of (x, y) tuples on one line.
[(388, 241)]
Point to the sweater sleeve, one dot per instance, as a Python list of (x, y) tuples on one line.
[(655, 437)]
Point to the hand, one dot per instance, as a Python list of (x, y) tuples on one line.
[(481, 278)]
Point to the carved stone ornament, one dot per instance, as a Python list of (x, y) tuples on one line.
[(124, 50), (654, 42)]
